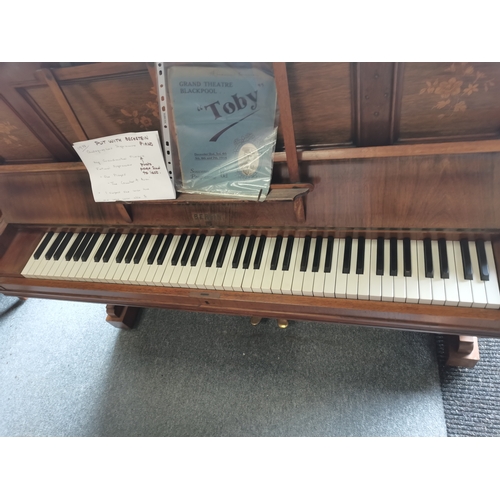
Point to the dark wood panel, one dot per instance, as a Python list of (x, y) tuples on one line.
[(17, 141), (441, 191), (450, 100), (320, 95), (114, 105), (44, 99)]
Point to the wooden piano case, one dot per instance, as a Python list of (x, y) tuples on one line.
[(371, 149)]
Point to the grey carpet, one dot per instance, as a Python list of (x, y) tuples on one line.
[(65, 372), (471, 397)]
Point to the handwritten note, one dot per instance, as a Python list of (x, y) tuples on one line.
[(126, 167)]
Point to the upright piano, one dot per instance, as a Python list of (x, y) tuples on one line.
[(384, 208)]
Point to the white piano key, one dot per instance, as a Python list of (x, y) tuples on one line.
[(130, 267), (375, 279), (162, 277), (308, 280), (108, 269), (464, 286), (219, 282), (341, 280), (186, 270), (298, 275), (98, 265), (319, 276), (155, 271), (86, 269), (198, 275), (225, 274), (387, 279), (268, 275), (424, 284), (437, 283), (364, 279), (179, 268), (58, 272), (478, 289), (412, 282), (353, 277), (399, 279), (491, 286), (451, 285), (259, 273), (33, 263), (331, 277), (140, 270), (239, 275), (287, 281), (278, 272)]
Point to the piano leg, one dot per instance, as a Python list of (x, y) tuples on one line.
[(121, 316), (462, 350)]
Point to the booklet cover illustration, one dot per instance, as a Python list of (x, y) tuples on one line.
[(225, 125)]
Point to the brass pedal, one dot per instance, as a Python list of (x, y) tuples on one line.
[(282, 323), (255, 320)]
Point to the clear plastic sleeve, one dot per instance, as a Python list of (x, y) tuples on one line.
[(223, 127)]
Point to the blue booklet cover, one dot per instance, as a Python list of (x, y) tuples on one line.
[(225, 126)]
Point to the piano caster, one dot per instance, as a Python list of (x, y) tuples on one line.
[(282, 323), (462, 351), (255, 320), (121, 316)]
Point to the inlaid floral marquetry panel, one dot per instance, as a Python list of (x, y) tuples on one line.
[(114, 105), (320, 95), (17, 142), (443, 100)]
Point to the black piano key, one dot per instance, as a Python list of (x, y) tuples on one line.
[(187, 251), (360, 260), (104, 244), (317, 254), (223, 250), (164, 249), (52, 249), (197, 250), (155, 249), (43, 246), (393, 257), (178, 249), (142, 247), (429, 268), (249, 251), (483, 264), (90, 246), (111, 248), (238, 252), (62, 246), (443, 259), (305, 254), (346, 265), (260, 251), (74, 246), (83, 245), (380, 256), (288, 253), (466, 261), (407, 257), (133, 248), (329, 255), (213, 249), (124, 248), (276, 253)]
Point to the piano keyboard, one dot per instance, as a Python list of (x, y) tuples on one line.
[(451, 273)]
